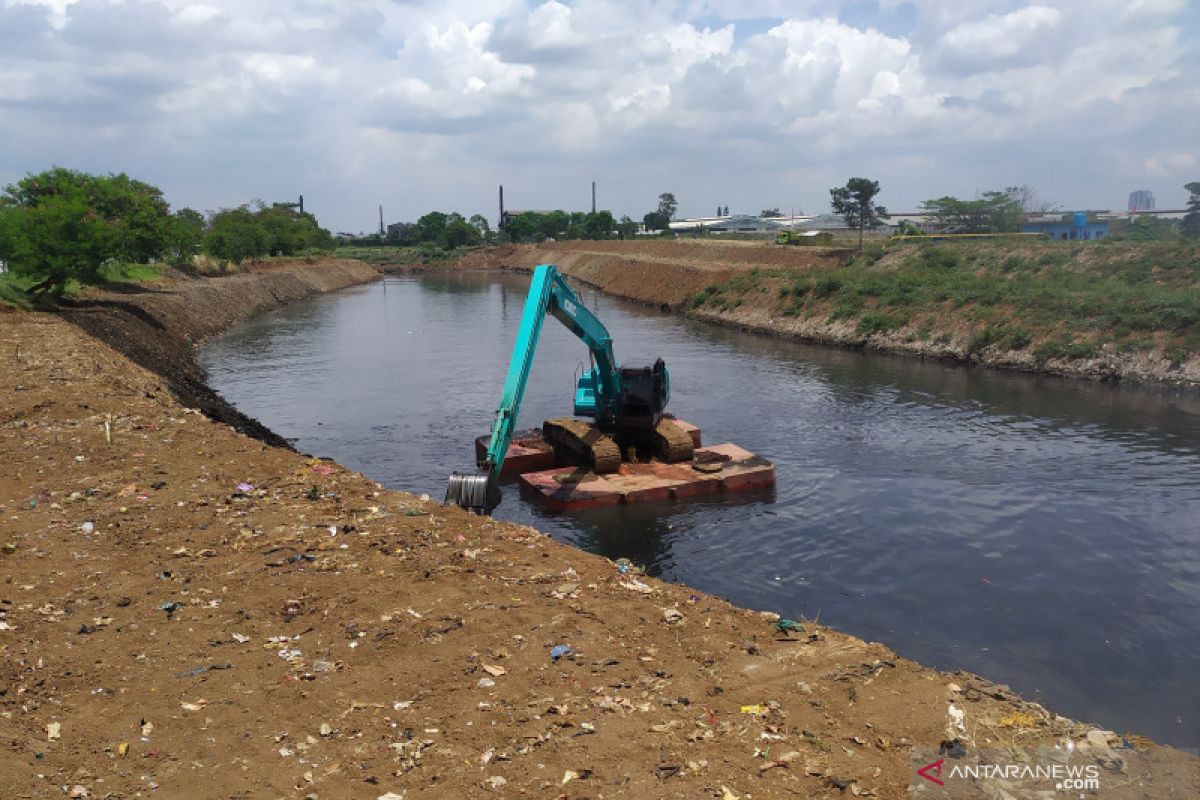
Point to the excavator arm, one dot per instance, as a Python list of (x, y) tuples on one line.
[(599, 392)]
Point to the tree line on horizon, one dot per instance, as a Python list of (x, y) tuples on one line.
[(64, 225)]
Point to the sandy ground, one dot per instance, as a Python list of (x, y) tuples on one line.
[(188, 612)]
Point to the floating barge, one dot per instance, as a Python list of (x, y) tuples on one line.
[(546, 478)]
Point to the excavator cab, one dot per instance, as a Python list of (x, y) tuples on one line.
[(644, 395)]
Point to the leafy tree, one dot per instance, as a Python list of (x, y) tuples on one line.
[(995, 212), (667, 206), (599, 225), (770, 212), (479, 222), (1151, 229), (523, 227), (187, 234), (656, 221), (458, 232), (855, 203), (234, 235), (627, 228), (1191, 220), (62, 224), (432, 227)]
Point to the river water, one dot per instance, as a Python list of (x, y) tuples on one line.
[(1039, 531)]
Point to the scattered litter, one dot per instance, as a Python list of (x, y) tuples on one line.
[(88, 526), (666, 771), (390, 796), (201, 670), (53, 731), (495, 782), (485, 683), (561, 651), (494, 671), (956, 720), (788, 626), (123, 749), (147, 729), (196, 706), (170, 608), (727, 794), (672, 615), (638, 586), (245, 488), (325, 729), (755, 709), (240, 638)]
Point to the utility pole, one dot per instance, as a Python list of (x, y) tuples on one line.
[(593, 197)]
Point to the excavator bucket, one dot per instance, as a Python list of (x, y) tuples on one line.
[(478, 493)]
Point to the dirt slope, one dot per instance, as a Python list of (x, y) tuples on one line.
[(750, 278)]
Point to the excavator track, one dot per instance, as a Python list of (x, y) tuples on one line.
[(673, 443), (584, 443)]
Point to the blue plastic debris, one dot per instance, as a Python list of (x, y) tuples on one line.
[(560, 651)]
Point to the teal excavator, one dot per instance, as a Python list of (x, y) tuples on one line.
[(628, 404)]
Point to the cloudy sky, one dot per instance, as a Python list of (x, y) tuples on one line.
[(747, 103)]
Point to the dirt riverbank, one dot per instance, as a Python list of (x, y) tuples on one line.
[(753, 286), (188, 612)]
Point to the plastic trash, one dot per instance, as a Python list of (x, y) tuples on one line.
[(788, 626), (561, 651), (170, 607)]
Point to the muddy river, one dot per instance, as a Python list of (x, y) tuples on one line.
[(1040, 531)]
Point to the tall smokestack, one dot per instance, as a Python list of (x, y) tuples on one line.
[(381, 230), (301, 204), (501, 224), (593, 197)]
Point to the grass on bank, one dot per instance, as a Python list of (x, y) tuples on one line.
[(1057, 299), (414, 254)]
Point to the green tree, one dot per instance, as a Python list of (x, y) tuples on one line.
[(855, 203), (234, 235), (523, 227), (1151, 229), (432, 227), (458, 232), (1191, 220), (187, 234), (656, 221), (479, 222), (995, 212), (63, 224), (627, 228), (667, 206)]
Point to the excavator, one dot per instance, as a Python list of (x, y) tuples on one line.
[(627, 404)]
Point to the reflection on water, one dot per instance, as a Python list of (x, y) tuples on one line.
[(1041, 531)]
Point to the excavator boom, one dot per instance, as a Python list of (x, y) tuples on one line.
[(617, 398)]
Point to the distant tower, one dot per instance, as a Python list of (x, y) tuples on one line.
[(1141, 200), (593, 197), (301, 204), (501, 223), (381, 229)]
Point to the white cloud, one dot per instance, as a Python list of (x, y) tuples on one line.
[(426, 103), (1000, 38)]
